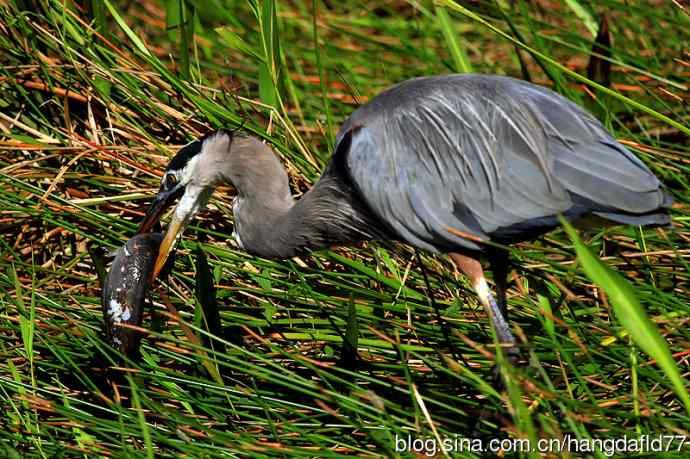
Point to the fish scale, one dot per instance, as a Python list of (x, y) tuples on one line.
[(124, 291)]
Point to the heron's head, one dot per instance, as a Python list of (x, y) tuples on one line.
[(192, 175)]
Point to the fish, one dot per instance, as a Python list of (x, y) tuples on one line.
[(124, 292)]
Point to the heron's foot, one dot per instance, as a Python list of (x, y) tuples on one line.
[(488, 416), (511, 356)]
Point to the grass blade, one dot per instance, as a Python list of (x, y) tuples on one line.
[(584, 14), (457, 52), (633, 103), (93, 106), (630, 313)]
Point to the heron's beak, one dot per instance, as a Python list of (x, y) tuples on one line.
[(175, 228), (193, 200), (162, 202)]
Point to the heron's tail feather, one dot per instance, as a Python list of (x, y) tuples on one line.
[(657, 217), (653, 219)]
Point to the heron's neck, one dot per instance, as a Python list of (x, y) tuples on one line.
[(328, 214)]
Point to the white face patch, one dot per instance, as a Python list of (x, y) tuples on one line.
[(205, 170), (189, 172), (199, 178), (193, 200), (198, 189)]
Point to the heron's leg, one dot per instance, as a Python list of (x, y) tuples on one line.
[(498, 261), (473, 270)]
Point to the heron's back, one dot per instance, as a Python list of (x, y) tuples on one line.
[(451, 160)]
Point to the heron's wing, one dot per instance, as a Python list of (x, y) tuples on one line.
[(589, 162), (447, 172), (480, 156)]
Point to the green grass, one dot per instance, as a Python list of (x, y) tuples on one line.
[(93, 101)]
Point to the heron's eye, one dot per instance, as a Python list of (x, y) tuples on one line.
[(170, 181)]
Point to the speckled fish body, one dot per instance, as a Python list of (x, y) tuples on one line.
[(124, 292)]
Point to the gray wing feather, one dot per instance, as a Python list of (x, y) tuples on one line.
[(590, 162), (470, 154)]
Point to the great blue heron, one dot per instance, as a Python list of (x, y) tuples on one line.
[(444, 163)]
